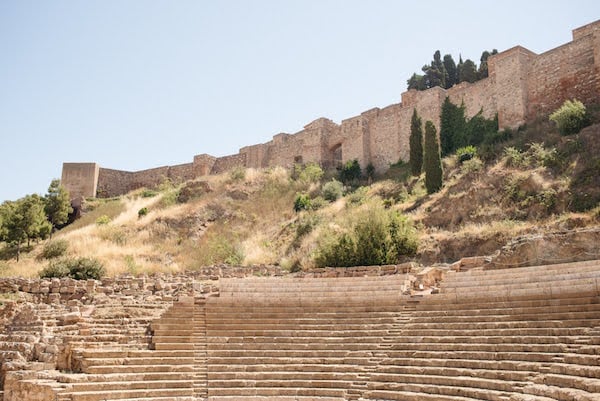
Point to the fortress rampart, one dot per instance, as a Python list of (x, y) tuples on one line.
[(521, 85)]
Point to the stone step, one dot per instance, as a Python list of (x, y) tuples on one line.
[(121, 369), (245, 393), (130, 394), (559, 393), (395, 395), (162, 346), (130, 385), (126, 377), (121, 353), (139, 361)]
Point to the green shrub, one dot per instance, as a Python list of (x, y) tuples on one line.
[(543, 157), (318, 203), (357, 197), (78, 269), (102, 220), (86, 268), (142, 212), (466, 153), (113, 234), (515, 158), (376, 236), (148, 193), (302, 202), (308, 173), (571, 117), (306, 224), (237, 174), (332, 190), (370, 171), (54, 249), (472, 165), (55, 270), (350, 172)]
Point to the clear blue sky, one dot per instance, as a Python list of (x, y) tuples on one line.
[(140, 84)]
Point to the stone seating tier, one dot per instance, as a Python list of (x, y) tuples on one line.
[(530, 334)]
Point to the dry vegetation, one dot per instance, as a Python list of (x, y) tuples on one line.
[(247, 217)]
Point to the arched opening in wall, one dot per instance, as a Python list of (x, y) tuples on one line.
[(335, 155)]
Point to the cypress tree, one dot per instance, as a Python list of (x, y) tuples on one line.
[(451, 70), (432, 160), (452, 127), (416, 144)]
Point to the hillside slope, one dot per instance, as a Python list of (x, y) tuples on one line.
[(534, 184)]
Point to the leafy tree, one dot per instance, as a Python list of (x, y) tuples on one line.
[(451, 71), (350, 172), (416, 144), (478, 128), (57, 204), (452, 127), (24, 220), (416, 82), (468, 72), (432, 160)]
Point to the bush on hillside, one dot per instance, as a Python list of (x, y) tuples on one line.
[(571, 117), (102, 220), (350, 172), (302, 202), (332, 190), (78, 269), (466, 153), (54, 249), (308, 173), (376, 237)]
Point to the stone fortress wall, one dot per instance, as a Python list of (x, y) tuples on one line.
[(521, 85)]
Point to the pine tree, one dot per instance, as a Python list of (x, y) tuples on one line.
[(416, 144), (432, 160), (57, 204)]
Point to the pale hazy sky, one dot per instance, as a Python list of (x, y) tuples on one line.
[(139, 84)]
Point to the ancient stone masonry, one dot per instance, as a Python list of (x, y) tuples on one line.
[(521, 86), (520, 334)]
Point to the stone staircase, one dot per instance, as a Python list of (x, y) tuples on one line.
[(167, 371)]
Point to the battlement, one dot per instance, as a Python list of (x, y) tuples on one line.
[(521, 86)]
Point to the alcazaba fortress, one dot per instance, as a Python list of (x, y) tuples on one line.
[(521, 85)]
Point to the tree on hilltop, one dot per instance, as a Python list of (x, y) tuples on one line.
[(416, 144), (468, 72), (432, 160), (451, 71), (483, 65), (57, 204)]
